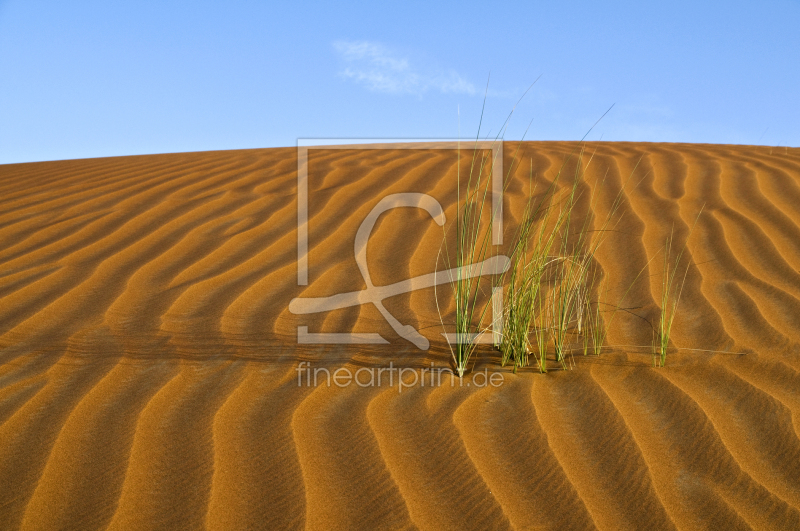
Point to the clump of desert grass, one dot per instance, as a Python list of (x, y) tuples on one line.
[(472, 245), (530, 257), (672, 283), (473, 231), (553, 275)]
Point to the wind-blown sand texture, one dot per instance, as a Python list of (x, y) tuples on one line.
[(148, 359)]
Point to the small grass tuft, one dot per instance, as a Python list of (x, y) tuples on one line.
[(671, 291)]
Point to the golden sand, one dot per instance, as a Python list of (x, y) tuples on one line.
[(148, 358)]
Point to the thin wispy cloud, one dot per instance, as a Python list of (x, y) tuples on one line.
[(378, 69)]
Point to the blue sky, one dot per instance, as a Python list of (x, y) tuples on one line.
[(91, 79)]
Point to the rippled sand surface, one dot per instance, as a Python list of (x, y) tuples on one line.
[(148, 360)]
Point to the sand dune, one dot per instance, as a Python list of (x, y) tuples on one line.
[(148, 358)]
